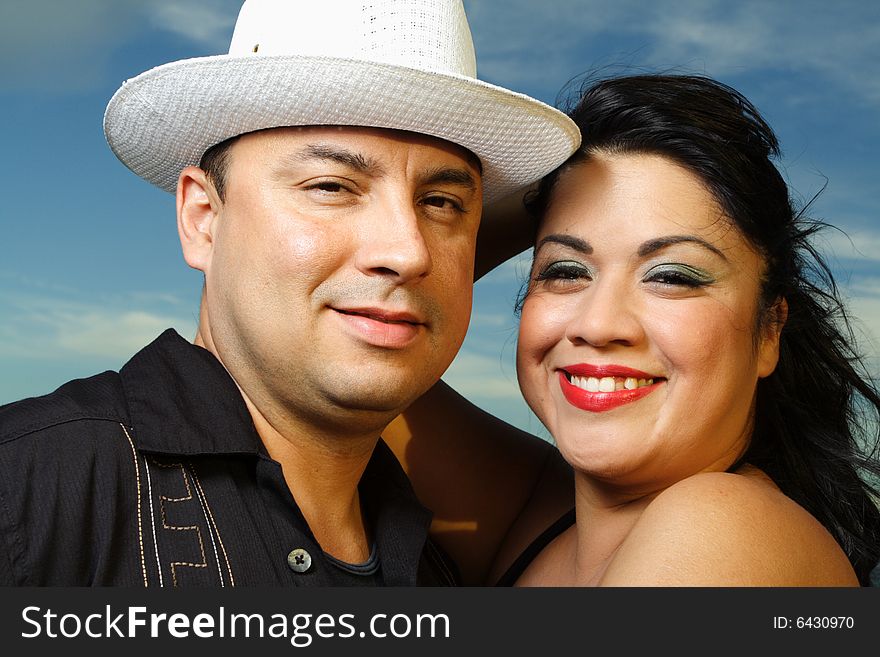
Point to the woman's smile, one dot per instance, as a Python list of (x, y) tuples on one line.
[(597, 395)]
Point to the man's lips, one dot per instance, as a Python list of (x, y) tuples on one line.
[(598, 388), (382, 315), (381, 327)]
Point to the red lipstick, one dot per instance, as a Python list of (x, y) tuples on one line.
[(597, 402)]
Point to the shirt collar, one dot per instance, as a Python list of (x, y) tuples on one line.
[(182, 401), (399, 521)]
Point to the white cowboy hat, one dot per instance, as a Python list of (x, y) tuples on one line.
[(402, 64)]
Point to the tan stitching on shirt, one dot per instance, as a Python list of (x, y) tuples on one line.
[(153, 521), (198, 531), (137, 473), (204, 499)]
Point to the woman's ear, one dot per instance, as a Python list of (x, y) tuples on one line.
[(198, 206), (768, 349)]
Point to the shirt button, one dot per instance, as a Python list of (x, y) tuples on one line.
[(299, 560)]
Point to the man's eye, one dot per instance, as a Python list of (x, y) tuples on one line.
[(679, 275), (443, 202), (566, 270), (328, 186)]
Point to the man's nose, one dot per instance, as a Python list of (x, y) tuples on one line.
[(392, 243)]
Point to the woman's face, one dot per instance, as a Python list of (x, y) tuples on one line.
[(638, 346)]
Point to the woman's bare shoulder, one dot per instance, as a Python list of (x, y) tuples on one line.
[(724, 529)]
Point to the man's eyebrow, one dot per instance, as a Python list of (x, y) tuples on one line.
[(570, 241), (333, 153), (450, 175), (652, 246)]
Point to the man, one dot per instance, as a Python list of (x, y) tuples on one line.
[(334, 215)]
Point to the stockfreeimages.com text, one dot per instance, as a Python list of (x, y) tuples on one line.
[(300, 629)]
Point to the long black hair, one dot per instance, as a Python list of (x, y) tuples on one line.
[(817, 416)]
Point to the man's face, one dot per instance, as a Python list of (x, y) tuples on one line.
[(341, 266)]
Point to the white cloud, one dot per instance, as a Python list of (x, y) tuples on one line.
[(489, 381), (836, 41), (518, 43), (108, 334), (62, 46), (494, 322), (207, 24), (857, 244), (40, 327), (480, 377), (59, 46), (863, 304), (66, 45)]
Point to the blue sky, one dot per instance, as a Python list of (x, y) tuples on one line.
[(91, 268)]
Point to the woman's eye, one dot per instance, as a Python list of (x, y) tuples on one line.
[(566, 270), (679, 275)]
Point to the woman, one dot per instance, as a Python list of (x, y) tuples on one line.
[(683, 344), (687, 349)]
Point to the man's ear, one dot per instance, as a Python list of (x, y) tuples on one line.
[(768, 349), (197, 209)]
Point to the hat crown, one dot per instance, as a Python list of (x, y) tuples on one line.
[(431, 35)]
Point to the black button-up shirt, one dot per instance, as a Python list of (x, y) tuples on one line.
[(155, 476)]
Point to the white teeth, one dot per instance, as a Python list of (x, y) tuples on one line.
[(609, 383), (585, 383)]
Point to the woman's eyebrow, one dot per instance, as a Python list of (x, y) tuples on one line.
[(654, 245), (570, 241)]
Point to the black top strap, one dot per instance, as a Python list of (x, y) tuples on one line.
[(523, 560)]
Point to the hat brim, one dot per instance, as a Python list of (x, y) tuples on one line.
[(166, 118)]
